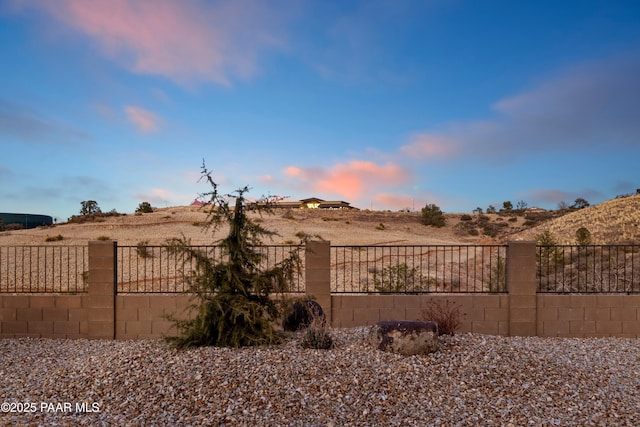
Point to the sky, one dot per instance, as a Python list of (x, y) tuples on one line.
[(387, 105)]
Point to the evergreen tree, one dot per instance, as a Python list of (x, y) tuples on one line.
[(234, 305)]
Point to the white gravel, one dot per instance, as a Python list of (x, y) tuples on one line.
[(471, 380)]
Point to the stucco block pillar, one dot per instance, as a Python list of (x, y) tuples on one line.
[(318, 274), (101, 297), (521, 285)]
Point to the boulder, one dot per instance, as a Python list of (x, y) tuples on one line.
[(301, 314), (406, 337)]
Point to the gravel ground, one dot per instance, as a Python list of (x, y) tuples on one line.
[(471, 380)]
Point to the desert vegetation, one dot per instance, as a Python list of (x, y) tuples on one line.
[(235, 304)]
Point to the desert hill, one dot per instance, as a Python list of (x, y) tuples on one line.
[(614, 221)]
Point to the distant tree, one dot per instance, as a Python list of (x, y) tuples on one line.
[(548, 252), (89, 207), (522, 205), (491, 209), (144, 207), (478, 210), (507, 206), (583, 236), (580, 203), (432, 215), (563, 206)]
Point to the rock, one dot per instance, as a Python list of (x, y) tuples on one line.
[(301, 314), (405, 337)]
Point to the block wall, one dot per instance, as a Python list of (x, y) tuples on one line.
[(36, 316), (483, 314), (102, 314), (588, 315)]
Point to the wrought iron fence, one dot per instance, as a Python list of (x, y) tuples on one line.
[(418, 269), (588, 269), (43, 269), (157, 269)]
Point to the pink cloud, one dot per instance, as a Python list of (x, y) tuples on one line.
[(184, 41), (351, 180), (144, 120)]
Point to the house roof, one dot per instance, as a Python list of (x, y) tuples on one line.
[(311, 199)]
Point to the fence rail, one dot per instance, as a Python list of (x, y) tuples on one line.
[(43, 269), (418, 269), (588, 269), (157, 269), (354, 269)]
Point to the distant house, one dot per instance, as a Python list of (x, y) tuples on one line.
[(198, 203), (315, 203), (534, 209)]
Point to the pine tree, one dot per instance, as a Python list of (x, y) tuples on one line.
[(234, 305)]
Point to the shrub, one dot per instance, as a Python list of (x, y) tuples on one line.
[(432, 215), (380, 226), (583, 236), (317, 336), (90, 212), (144, 207), (580, 203), (398, 278), (464, 228), (288, 214), (103, 238), (498, 275), (54, 238), (143, 250), (447, 314), (466, 217)]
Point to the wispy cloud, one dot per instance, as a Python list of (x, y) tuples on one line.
[(187, 41), (23, 124), (144, 120), (594, 105), (547, 196), (430, 146)]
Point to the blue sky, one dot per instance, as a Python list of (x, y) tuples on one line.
[(384, 104)]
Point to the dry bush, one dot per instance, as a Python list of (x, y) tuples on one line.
[(447, 314), (317, 335)]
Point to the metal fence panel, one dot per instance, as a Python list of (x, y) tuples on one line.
[(43, 269), (418, 269), (588, 269), (157, 269)]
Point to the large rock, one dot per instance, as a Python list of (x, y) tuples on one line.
[(301, 314), (405, 337)]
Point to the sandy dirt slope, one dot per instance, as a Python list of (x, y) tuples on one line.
[(614, 221), (339, 227)]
